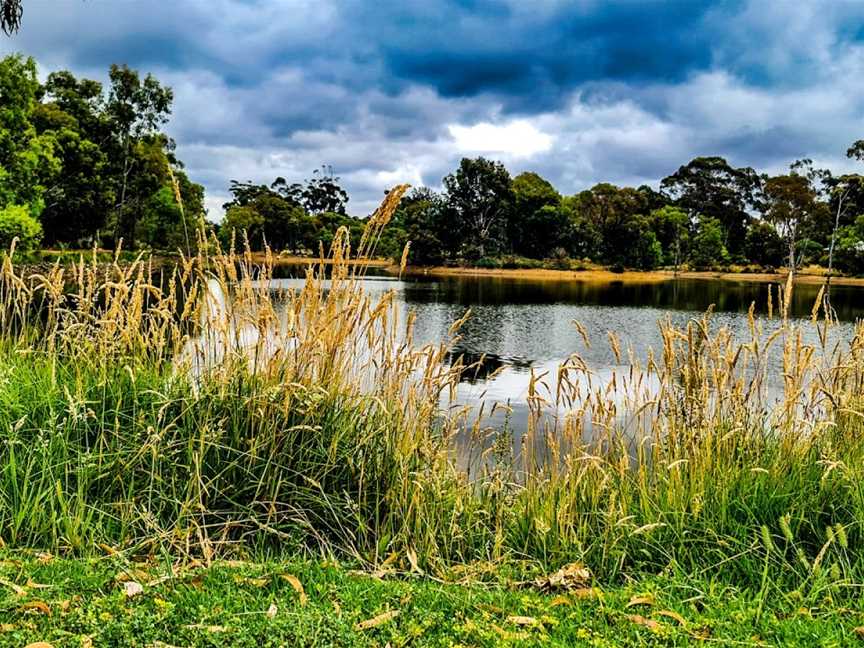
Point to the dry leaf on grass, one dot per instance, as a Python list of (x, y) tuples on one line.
[(15, 588), (39, 644), (206, 628), (640, 600), (412, 558), (132, 588), (523, 621), (859, 631), (298, 587), (638, 619), (39, 606), (272, 610), (376, 621), (569, 577), (671, 614), (7, 627)]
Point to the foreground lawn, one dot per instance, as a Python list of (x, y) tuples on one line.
[(112, 602)]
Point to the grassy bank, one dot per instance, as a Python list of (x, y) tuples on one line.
[(812, 276), (202, 417), (97, 602)]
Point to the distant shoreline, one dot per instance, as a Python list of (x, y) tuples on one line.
[(628, 276)]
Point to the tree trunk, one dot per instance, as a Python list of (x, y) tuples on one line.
[(831, 248)]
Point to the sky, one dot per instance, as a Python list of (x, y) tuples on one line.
[(580, 91)]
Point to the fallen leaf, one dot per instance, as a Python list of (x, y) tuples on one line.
[(298, 587), (523, 620), (86, 641), (640, 600), (412, 558), (131, 575), (376, 621), (233, 564), (7, 627), (560, 600), (585, 592), (638, 619), (673, 615), (41, 606), (568, 577), (33, 585), (255, 582), (44, 557), (859, 631), (111, 551), (272, 610), (39, 644), (15, 588), (132, 588), (206, 628)]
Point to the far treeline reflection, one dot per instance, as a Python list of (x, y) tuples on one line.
[(674, 294)]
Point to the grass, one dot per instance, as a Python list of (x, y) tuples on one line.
[(197, 416), (85, 602), (588, 273)]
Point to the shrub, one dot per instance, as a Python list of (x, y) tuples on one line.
[(708, 249), (16, 222), (488, 262)]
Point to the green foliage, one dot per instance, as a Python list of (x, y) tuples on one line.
[(16, 221), (291, 217), (671, 226), (27, 159), (790, 203), (763, 244), (710, 186), (850, 247), (422, 217), (708, 249), (92, 165), (478, 197), (241, 219)]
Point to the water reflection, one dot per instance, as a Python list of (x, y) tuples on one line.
[(518, 325)]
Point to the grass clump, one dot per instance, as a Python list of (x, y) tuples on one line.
[(202, 414)]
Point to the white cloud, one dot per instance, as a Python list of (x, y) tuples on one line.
[(518, 138)]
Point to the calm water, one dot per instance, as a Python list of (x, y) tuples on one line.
[(523, 324)]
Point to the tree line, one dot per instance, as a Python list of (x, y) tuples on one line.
[(83, 165), (707, 214)]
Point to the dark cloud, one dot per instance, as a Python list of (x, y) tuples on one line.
[(533, 58)]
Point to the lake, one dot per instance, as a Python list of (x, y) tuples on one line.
[(521, 324)]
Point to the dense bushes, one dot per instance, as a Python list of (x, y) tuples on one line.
[(17, 223)]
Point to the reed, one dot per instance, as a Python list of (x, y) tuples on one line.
[(197, 411)]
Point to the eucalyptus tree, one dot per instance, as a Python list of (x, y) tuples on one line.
[(712, 188), (136, 109), (479, 198)]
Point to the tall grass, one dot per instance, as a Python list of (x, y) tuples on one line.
[(143, 411)]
